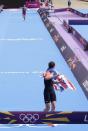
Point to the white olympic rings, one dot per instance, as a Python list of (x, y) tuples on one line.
[(29, 118)]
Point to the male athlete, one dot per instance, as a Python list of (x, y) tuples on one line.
[(49, 93), (24, 11)]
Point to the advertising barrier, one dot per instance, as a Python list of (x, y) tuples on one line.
[(80, 72), (75, 33), (73, 11), (43, 117)]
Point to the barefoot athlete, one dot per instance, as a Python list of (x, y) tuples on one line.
[(49, 92)]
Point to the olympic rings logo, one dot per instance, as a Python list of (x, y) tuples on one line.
[(29, 118)]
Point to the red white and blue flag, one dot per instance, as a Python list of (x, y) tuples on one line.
[(63, 83)]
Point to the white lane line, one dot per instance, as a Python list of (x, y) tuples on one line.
[(2, 73), (21, 39), (22, 73), (29, 125)]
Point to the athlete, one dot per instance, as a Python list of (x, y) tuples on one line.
[(1, 8), (69, 3), (49, 92), (24, 12)]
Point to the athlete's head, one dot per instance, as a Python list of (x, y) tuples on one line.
[(51, 64)]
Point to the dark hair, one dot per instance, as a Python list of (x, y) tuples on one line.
[(51, 64)]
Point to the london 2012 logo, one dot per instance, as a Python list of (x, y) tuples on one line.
[(29, 118)]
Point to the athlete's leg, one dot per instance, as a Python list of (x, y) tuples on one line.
[(24, 16), (47, 100), (53, 100), (47, 107), (53, 105)]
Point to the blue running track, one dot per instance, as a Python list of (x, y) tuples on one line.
[(25, 49), (84, 11), (82, 30)]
